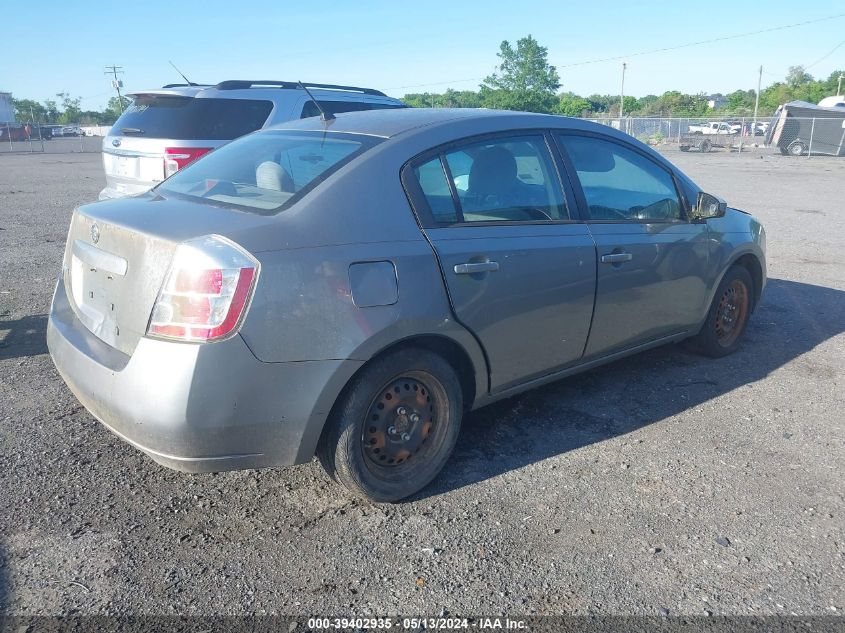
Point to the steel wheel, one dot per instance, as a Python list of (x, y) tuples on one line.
[(395, 425), (727, 316), (731, 313), (402, 422)]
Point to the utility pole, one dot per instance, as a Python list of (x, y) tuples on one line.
[(757, 101), (622, 95), (117, 83)]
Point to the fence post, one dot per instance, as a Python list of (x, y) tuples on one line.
[(812, 131), (81, 139), (9, 132), (741, 134), (41, 136)]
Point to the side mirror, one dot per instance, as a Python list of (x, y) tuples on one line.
[(709, 206)]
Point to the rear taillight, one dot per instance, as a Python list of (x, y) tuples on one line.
[(206, 293), (175, 158)]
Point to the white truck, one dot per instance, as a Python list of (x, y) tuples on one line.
[(712, 127)]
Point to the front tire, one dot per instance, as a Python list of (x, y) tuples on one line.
[(728, 315), (395, 425)]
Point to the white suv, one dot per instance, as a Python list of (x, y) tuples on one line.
[(165, 129)]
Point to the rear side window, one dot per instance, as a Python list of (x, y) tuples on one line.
[(621, 184), (265, 172), (189, 118), (336, 107), (500, 180)]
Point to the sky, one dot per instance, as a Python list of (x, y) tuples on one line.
[(402, 47)]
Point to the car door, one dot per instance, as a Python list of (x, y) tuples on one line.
[(652, 270), (519, 269)]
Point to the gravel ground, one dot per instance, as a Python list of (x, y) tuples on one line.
[(664, 483)]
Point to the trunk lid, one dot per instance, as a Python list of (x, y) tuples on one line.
[(119, 251)]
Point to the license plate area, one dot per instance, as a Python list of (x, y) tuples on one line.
[(125, 166), (94, 294)]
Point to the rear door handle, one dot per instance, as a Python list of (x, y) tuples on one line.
[(470, 268), (616, 258)]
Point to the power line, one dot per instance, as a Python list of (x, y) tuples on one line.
[(824, 57), (659, 50)]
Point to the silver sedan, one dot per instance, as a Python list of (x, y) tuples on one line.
[(351, 287)]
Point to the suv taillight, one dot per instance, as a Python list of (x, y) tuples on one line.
[(206, 293), (175, 158)]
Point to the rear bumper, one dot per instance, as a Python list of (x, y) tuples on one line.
[(121, 190), (197, 408)]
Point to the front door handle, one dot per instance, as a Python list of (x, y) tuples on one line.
[(616, 258), (471, 268)]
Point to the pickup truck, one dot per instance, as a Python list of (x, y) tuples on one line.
[(712, 127)]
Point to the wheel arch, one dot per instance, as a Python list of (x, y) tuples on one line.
[(471, 369), (471, 377), (752, 264)]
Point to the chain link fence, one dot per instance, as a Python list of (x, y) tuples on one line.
[(48, 138), (822, 135)]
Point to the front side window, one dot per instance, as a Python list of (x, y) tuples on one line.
[(264, 172), (498, 180), (621, 184)]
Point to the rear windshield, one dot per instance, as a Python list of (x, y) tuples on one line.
[(265, 172), (189, 118)]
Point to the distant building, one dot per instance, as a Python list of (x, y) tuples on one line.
[(7, 111), (714, 102)]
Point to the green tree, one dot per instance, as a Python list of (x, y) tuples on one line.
[(114, 110), (797, 76), (51, 111), (71, 112), (570, 104), (525, 80), (29, 110)]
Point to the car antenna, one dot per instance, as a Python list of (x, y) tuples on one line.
[(190, 83), (324, 116)]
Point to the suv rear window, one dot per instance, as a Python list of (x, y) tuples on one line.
[(189, 118), (265, 172)]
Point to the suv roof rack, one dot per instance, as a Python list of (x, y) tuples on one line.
[(185, 86), (241, 84)]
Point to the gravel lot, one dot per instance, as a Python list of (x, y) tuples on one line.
[(664, 483)]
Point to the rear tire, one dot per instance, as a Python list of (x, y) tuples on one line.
[(394, 427), (705, 146), (727, 317)]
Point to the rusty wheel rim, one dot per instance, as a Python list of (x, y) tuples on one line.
[(404, 422), (731, 313)]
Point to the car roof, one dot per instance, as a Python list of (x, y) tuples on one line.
[(392, 122), (260, 89)]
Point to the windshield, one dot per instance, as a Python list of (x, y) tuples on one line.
[(189, 118), (266, 171)]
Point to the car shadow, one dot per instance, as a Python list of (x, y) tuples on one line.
[(26, 336), (629, 394)]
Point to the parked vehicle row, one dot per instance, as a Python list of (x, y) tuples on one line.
[(351, 285), (24, 132), (167, 128)]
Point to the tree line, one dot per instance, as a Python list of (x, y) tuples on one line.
[(66, 109), (524, 80)]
